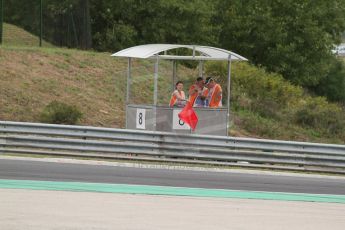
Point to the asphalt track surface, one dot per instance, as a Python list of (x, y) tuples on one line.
[(68, 172)]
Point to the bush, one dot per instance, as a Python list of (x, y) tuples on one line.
[(60, 113), (260, 126), (318, 113), (268, 94), (333, 85), (274, 106)]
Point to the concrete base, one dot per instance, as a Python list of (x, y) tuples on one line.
[(212, 121)]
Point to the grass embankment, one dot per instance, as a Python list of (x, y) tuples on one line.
[(13, 35), (264, 105), (30, 78)]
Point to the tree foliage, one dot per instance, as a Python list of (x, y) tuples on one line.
[(290, 37), (125, 23), (333, 85)]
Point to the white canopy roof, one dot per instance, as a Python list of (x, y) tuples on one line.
[(204, 52)]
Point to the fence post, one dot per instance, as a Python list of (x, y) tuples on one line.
[(1, 19), (41, 24)]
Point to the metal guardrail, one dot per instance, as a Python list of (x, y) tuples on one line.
[(84, 141)]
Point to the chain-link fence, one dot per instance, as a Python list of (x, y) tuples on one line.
[(64, 23)]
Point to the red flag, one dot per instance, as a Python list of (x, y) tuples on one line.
[(189, 116)]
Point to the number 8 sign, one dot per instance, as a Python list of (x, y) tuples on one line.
[(140, 119)]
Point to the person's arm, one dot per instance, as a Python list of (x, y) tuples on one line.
[(220, 90), (219, 96), (219, 93), (192, 90)]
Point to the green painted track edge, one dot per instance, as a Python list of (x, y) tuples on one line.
[(169, 191)]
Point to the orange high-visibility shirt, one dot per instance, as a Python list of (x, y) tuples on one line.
[(215, 99), (193, 96), (174, 100)]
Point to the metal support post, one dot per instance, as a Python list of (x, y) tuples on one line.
[(155, 94), (1, 19), (41, 23), (201, 68), (174, 75), (129, 71), (228, 103)]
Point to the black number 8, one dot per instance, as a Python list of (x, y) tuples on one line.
[(140, 118)]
